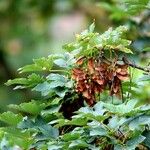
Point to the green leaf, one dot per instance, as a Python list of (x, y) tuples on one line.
[(17, 137), (56, 77), (117, 109), (44, 88), (145, 78), (33, 107), (71, 136), (124, 9), (147, 139), (124, 49), (4, 144), (61, 92), (135, 6), (78, 144), (52, 110), (30, 68), (115, 122), (11, 118), (92, 27), (53, 87), (112, 39), (40, 126), (56, 83), (119, 147), (98, 131), (78, 121), (58, 80), (54, 147), (139, 121), (74, 121), (49, 131), (61, 63), (146, 49), (133, 143), (95, 113), (22, 81), (26, 123), (66, 61), (31, 81), (98, 110), (41, 64)]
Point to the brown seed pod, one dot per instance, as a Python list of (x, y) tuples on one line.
[(96, 76)]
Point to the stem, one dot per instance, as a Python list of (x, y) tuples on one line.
[(122, 94), (110, 54), (99, 96), (126, 61)]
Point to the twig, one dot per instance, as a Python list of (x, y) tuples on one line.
[(126, 61), (122, 93)]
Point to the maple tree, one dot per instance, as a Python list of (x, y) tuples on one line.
[(72, 113), (90, 102)]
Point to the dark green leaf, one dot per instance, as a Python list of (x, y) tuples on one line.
[(147, 139)]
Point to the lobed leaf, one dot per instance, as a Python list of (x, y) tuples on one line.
[(10, 118)]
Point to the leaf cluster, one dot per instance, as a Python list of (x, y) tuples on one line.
[(42, 124)]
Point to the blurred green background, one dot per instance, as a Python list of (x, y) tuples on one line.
[(35, 28)]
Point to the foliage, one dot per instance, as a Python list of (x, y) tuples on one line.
[(71, 113), (122, 9), (61, 117), (111, 39)]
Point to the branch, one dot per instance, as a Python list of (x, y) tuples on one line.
[(126, 61)]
